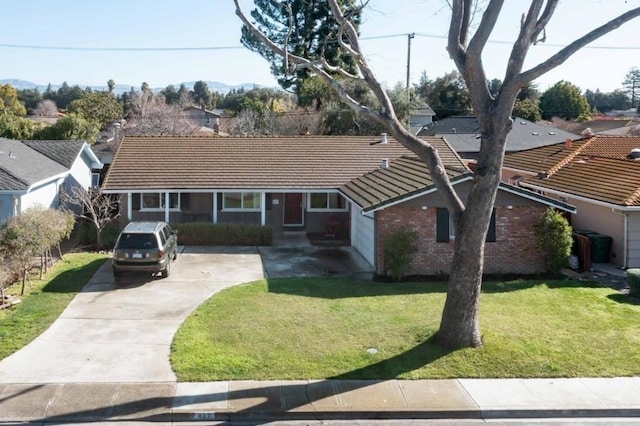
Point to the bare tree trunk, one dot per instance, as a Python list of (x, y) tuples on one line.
[(42, 264), (24, 281), (60, 251), (459, 326)]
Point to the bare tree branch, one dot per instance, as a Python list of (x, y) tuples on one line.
[(564, 54)]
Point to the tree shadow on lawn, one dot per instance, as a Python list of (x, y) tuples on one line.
[(338, 288), (73, 280), (417, 357)]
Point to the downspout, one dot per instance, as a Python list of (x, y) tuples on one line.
[(129, 207), (625, 235)]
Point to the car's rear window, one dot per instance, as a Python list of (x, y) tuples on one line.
[(137, 241)]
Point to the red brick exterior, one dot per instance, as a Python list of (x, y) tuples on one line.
[(513, 252)]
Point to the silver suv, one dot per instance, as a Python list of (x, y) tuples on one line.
[(145, 246)]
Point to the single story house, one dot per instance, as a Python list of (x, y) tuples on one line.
[(35, 172), (463, 134), (600, 175), (357, 187)]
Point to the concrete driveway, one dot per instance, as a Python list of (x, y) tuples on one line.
[(122, 332)]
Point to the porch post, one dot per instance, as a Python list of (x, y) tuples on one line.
[(129, 207), (263, 208), (166, 207), (214, 216)]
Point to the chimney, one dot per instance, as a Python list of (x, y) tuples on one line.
[(202, 107), (383, 138), (385, 163), (567, 143)]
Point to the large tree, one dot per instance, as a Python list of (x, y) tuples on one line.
[(564, 100), (459, 326), (447, 95), (9, 103), (631, 84), (100, 107), (304, 28)]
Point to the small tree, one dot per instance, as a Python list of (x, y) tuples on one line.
[(399, 248), (46, 107), (553, 238), (93, 206)]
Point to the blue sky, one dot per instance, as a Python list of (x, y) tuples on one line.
[(199, 23)]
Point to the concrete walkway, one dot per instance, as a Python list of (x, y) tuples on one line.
[(121, 332), (260, 402)]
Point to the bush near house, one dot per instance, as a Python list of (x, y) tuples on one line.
[(633, 280), (399, 249), (223, 234), (554, 238)]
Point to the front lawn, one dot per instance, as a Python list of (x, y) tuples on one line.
[(315, 328), (45, 300)]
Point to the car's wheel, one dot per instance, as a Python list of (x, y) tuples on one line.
[(116, 273), (167, 270)]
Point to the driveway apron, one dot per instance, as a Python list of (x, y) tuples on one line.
[(122, 331)]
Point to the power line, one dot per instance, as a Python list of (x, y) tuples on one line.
[(237, 47)]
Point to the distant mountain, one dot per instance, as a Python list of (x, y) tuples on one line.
[(214, 86)]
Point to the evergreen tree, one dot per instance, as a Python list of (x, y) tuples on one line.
[(307, 28), (564, 100), (631, 84)]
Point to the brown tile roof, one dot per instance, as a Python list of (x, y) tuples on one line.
[(298, 162), (403, 178), (598, 167)]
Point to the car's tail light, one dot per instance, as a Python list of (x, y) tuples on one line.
[(160, 254)]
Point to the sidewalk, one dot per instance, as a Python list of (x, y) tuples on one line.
[(257, 402)]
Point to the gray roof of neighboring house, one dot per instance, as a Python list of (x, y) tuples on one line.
[(63, 152), (463, 134), (22, 166)]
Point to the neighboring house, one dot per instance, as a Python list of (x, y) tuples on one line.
[(600, 175), (203, 117), (357, 188), (463, 134), (35, 172), (421, 118)]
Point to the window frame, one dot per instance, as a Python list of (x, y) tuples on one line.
[(327, 207), (256, 196), (173, 196), (442, 214)]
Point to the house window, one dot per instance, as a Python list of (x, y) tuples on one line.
[(95, 180), (241, 201), (445, 230), (208, 120), (156, 201), (326, 201)]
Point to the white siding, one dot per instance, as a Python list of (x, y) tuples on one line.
[(80, 172), (633, 232), (363, 234), (45, 196)]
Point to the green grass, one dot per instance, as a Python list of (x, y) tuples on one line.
[(313, 328), (45, 300)]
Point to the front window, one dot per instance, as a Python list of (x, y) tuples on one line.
[(241, 201), (156, 201), (326, 201)]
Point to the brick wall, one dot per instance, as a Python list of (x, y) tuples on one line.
[(513, 252)]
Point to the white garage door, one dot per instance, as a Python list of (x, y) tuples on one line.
[(362, 234)]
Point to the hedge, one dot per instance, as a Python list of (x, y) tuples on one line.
[(223, 234)]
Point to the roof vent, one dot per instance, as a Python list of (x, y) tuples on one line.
[(383, 138), (453, 130), (587, 132), (385, 163), (635, 153), (568, 142)]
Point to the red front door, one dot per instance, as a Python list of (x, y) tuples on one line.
[(293, 209)]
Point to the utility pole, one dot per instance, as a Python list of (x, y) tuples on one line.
[(410, 37)]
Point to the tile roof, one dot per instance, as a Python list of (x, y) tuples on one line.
[(22, 166), (598, 167), (525, 134), (297, 162), (403, 178), (63, 152)]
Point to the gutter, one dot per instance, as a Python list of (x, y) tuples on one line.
[(581, 198)]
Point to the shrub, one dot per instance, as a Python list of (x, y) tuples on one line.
[(399, 248), (87, 234), (553, 238), (633, 280), (223, 234)]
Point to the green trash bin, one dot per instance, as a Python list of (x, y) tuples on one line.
[(600, 248)]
